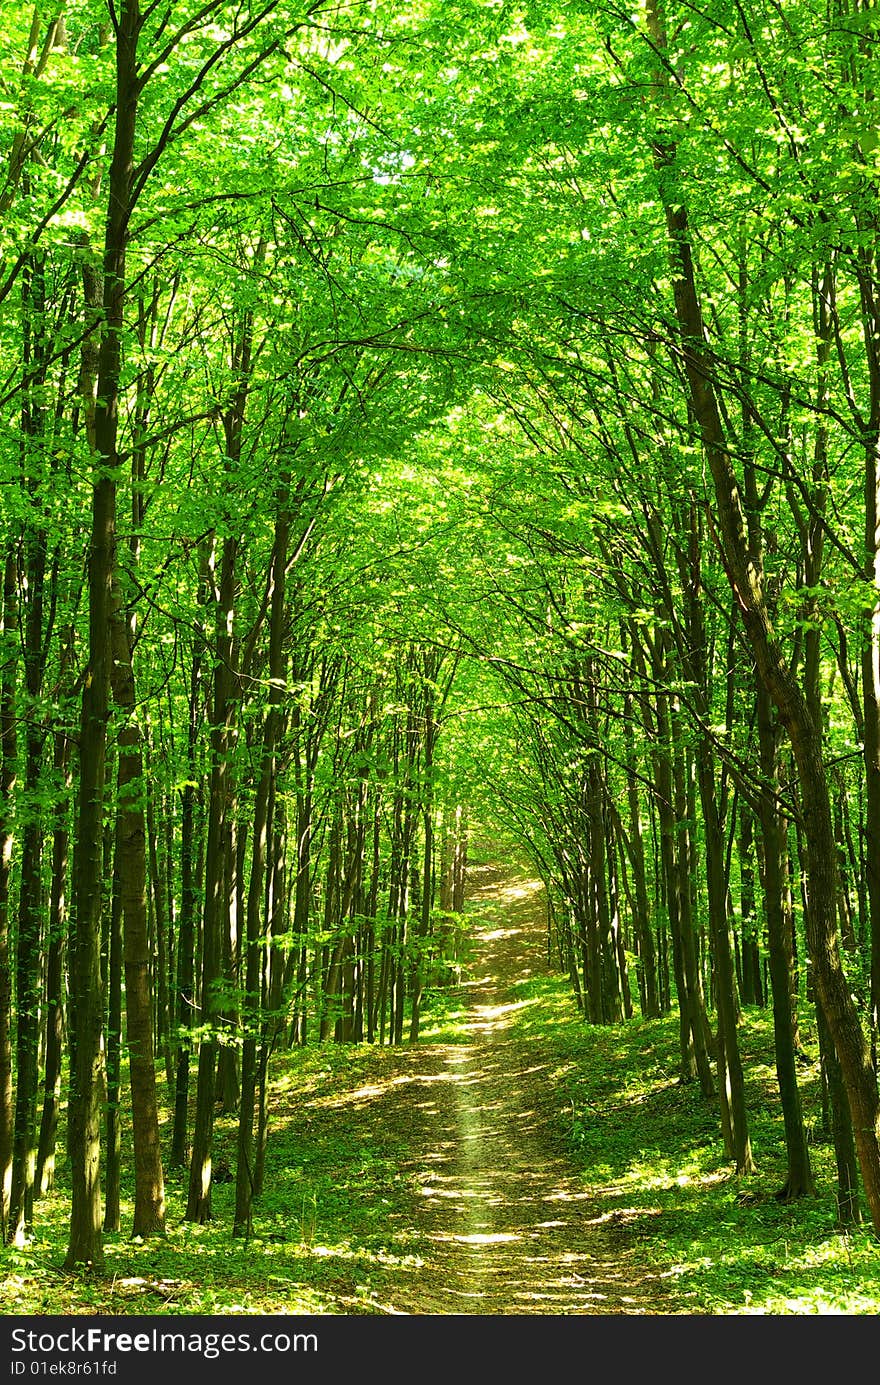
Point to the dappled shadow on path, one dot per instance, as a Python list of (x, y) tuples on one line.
[(509, 1225)]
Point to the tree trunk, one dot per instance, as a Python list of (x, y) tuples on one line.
[(730, 1073), (8, 759), (131, 847), (45, 1173), (746, 577), (113, 1060), (799, 1178), (752, 987), (636, 853), (687, 933), (697, 664), (160, 914), (85, 1244), (262, 826), (431, 668), (189, 885), (663, 781), (846, 1162), (198, 1208), (29, 943), (274, 984)]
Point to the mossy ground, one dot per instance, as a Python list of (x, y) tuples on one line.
[(337, 1229)]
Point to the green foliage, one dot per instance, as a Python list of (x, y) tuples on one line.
[(399, 280), (335, 1232), (649, 1151)]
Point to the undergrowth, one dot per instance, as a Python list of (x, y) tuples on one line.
[(650, 1152), (334, 1229)]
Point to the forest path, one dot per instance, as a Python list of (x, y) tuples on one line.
[(495, 1197)]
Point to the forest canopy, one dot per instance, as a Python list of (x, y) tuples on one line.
[(420, 421)]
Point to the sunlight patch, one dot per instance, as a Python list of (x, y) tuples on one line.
[(486, 1238)]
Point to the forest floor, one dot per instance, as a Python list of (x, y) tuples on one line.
[(515, 1160), (503, 1220)]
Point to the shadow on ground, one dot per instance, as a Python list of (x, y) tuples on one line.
[(503, 1221)]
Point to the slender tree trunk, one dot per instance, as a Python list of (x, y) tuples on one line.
[(608, 1001), (697, 662), (55, 1007), (869, 294), (460, 863), (113, 1124), (730, 1073), (370, 911), (28, 1001), (693, 981), (29, 940), (244, 1185), (746, 578), (160, 914), (618, 924), (131, 847), (301, 899), (8, 760), (799, 1178), (274, 984), (226, 1087), (429, 741), (752, 988), (85, 1243), (663, 780), (845, 1158), (186, 936), (332, 927), (198, 1207), (636, 853), (586, 920)]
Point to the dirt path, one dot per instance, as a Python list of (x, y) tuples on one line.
[(509, 1225)]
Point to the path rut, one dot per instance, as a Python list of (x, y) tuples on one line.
[(508, 1222)]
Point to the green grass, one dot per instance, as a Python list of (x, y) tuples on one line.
[(328, 1229), (650, 1149), (333, 1231)]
